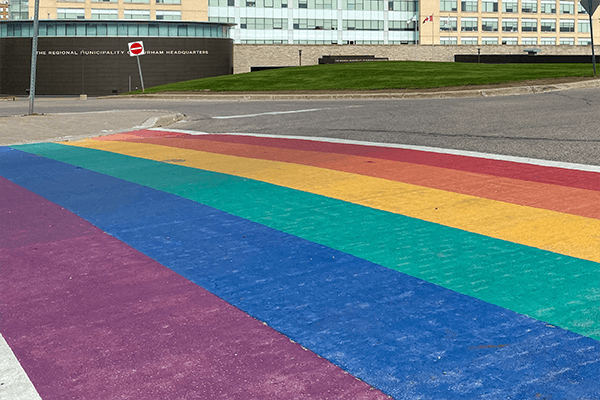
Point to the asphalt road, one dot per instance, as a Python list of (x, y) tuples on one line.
[(559, 126)]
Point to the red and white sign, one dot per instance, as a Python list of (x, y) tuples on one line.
[(136, 49), (430, 18)]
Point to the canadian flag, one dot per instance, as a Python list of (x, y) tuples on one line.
[(430, 18)]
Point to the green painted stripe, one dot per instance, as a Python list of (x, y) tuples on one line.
[(558, 289)]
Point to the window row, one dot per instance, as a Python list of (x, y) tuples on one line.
[(362, 25), (316, 24), (263, 23), (317, 4), (79, 13), (114, 29), (250, 3), (512, 6), (512, 25), (126, 1), (365, 5), (515, 41)]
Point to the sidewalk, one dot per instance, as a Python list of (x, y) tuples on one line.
[(72, 126)]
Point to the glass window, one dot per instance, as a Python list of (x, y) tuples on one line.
[(153, 29), (103, 1), (102, 29), (529, 41), (168, 15), (168, 1), (548, 7), (70, 29), (448, 24), (545, 41), (548, 25), (92, 29), (529, 6), (567, 41), (137, 1), (584, 41), (583, 25), (489, 6), (489, 24), (448, 40), (468, 40), (448, 5), (489, 40), (105, 14), (528, 25), (510, 25), (510, 41), (111, 29), (567, 7), (468, 6), (269, 23), (402, 25), (580, 9), (468, 24), (510, 6), (136, 14), (567, 25), (361, 25), (70, 13), (402, 5), (366, 5)]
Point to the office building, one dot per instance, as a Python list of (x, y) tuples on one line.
[(451, 22)]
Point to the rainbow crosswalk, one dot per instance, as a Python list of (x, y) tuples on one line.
[(422, 273)]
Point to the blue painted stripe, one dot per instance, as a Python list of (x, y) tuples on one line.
[(407, 337)]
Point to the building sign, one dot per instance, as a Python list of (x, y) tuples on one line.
[(118, 52)]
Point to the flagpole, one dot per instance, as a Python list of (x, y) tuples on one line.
[(432, 35), (417, 34)]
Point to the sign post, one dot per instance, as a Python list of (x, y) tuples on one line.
[(136, 49), (590, 6)]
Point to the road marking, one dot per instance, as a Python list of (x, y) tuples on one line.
[(489, 156), (278, 113), (14, 382)]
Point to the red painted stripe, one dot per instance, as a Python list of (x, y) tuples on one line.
[(563, 199), (526, 172)]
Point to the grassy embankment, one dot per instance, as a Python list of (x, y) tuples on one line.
[(378, 75)]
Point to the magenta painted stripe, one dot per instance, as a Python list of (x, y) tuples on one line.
[(507, 169), (89, 317)]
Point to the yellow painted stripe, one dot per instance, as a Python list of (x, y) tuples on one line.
[(549, 230)]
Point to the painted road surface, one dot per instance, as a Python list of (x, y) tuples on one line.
[(168, 265)]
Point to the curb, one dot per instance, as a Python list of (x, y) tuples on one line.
[(163, 120), (509, 91)]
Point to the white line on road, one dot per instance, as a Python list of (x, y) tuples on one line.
[(14, 382), (500, 157), (278, 112)]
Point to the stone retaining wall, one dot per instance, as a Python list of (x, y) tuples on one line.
[(253, 55)]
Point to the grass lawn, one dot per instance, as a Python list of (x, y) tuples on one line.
[(378, 75)]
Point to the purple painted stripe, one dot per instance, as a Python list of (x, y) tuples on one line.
[(89, 317)]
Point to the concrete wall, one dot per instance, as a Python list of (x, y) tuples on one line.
[(97, 66), (254, 55)]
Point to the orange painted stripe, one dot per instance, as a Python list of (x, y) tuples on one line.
[(580, 202)]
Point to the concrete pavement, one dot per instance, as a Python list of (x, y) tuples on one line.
[(77, 125)]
